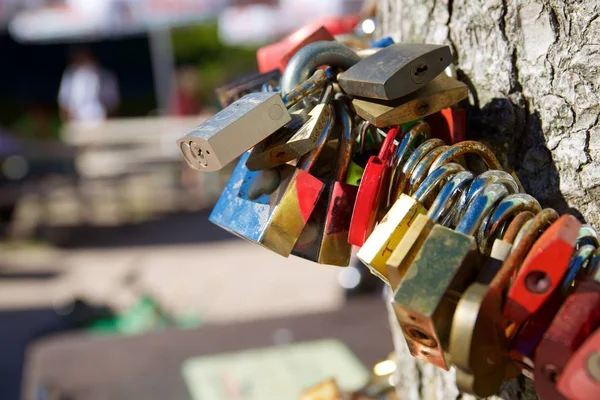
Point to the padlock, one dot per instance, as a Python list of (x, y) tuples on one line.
[(306, 61), (507, 209), (412, 238), (324, 239), (442, 269), (277, 55), (217, 141), (449, 124), (440, 93), (231, 92), (369, 191), (396, 71), (478, 345), (580, 379), (420, 172), (576, 319), (531, 333), (535, 282), (279, 149), (270, 207), (356, 169), (383, 240)]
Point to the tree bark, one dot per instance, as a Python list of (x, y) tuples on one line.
[(533, 70)]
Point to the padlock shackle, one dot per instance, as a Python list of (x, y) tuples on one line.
[(580, 260), (388, 144), (508, 208), (307, 161), (306, 88), (587, 234), (447, 197), (312, 56), (594, 266), (431, 184), (480, 208), (515, 226), (467, 147), (409, 143), (418, 175), (346, 141)]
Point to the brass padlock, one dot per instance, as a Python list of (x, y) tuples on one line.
[(402, 256), (396, 70), (279, 149), (442, 269), (270, 207), (324, 239), (440, 93), (390, 230)]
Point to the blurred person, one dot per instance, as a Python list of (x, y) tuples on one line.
[(88, 92)]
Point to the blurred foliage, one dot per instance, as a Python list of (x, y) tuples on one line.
[(217, 63)]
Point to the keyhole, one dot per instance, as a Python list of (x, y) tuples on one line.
[(419, 73), (537, 282)]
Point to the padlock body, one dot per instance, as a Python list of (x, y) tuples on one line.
[(367, 201), (581, 378), (426, 298), (229, 133), (395, 71), (438, 94), (324, 239), (274, 220), (387, 234)]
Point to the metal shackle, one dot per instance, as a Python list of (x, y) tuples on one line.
[(588, 235), (305, 88), (467, 147), (447, 197), (432, 182), (414, 159), (419, 173), (480, 208), (480, 182), (346, 142), (310, 57), (508, 208), (579, 262)]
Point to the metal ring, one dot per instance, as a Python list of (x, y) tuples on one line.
[(588, 235), (410, 141), (312, 56), (480, 182), (467, 147), (515, 226), (577, 265), (480, 208), (419, 174), (447, 197), (510, 206), (433, 182)]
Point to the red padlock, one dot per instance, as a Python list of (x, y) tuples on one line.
[(531, 333), (574, 322), (542, 269), (449, 124), (370, 190), (580, 379)]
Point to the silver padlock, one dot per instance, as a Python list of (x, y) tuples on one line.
[(243, 124)]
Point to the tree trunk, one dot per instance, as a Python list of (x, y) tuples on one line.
[(533, 70)]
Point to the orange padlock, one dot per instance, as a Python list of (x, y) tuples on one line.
[(542, 269)]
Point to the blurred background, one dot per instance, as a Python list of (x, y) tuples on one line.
[(113, 284)]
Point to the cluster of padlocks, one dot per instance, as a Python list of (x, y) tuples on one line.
[(335, 152)]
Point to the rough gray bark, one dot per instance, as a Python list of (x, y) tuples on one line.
[(533, 70)]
